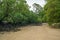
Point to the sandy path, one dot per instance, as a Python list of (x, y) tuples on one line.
[(33, 33)]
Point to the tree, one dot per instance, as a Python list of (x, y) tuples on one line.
[(10, 10), (52, 10), (37, 8), (39, 11)]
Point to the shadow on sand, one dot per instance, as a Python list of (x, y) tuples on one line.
[(14, 27), (9, 27)]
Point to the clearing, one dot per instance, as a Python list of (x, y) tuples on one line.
[(33, 33)]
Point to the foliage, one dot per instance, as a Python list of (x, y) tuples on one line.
[(37, 8), (17, 11), (52, 10)]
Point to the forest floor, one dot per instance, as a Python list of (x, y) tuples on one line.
[(31, 32)]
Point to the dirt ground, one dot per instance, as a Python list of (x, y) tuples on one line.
[(33, 33)]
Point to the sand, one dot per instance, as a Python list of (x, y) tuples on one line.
[(31, 32)]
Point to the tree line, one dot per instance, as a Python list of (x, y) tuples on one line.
[(17, 12)]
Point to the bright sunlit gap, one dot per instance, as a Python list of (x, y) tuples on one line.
[(40, 2)]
